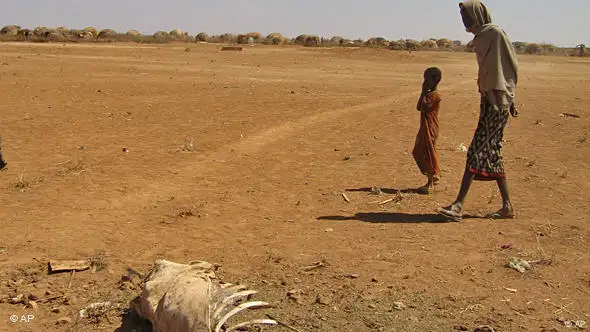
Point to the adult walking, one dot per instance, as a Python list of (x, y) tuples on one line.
[(497, 79)]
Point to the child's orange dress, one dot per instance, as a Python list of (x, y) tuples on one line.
[(425, 152)]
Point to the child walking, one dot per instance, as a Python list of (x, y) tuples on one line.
[(425, 152)]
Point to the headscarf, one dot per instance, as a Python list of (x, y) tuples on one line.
[(498, 67)]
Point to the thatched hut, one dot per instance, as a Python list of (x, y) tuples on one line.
[(412, 45), (42, 32), (377, 42), (274, 38), (57, 36), (228, 38), (10, 30), (519, 46), (178, 34), (25, 33), (255, 35), (92, 31), (107, 33), (82, 35), (308, 40), (161, 37), (201, 37), (337, 41), (133, 33), (301, 39), (429, 44), (396, 45), (444, 43), (533, 48)]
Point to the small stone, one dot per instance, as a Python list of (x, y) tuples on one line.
[(32, 305), (20, 298), (64, 320), (346, 158), (460, 328), (322, 299), (399, 305), (372, 306), (55, 310), (374, 280), (48, 292), (126, 278), (68, 300), (353, 276), (484, 328), (329, 230), (33, 297)]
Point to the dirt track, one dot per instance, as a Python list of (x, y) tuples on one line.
[(270, 130)]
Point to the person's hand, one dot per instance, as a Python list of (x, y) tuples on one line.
[(425, 88), (514, 110)]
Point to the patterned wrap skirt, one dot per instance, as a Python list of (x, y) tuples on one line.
[(484, 157)]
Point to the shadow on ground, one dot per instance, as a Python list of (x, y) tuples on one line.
[(131, 322), (386, 217)]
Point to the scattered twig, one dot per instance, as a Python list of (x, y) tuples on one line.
[(518, 313), (386, 201), (49, 299), (562, 308), (511, 290), (65, 162), (569, 115), (313, 266), (283, 324), (345, 198), (71, 279)]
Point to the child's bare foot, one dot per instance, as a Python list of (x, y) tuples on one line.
[(503, 213), (436, 180), (453, 212), (426, 189)]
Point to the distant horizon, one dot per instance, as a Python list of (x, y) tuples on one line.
[(532, 21)]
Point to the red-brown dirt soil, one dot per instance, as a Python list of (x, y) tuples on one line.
[(241, 159)]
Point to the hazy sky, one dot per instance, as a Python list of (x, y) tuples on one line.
[(564, 23)]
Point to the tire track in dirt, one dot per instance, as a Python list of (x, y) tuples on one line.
[(258, 141)]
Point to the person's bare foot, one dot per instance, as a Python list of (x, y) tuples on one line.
[(503, 213), (453, 212)]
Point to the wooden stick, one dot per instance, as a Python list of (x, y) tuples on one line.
[(345, 198), (71, 279), (313, 267), (562, 309), (283, 324), (65, 162)]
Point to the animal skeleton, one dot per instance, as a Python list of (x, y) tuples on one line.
[(189, 298)]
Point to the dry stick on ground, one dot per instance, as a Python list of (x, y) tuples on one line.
[(562, 308), (65, 162), (345, 198), (386, 201), (539, 247), (71, 279), (283, 324), (313, 266)]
